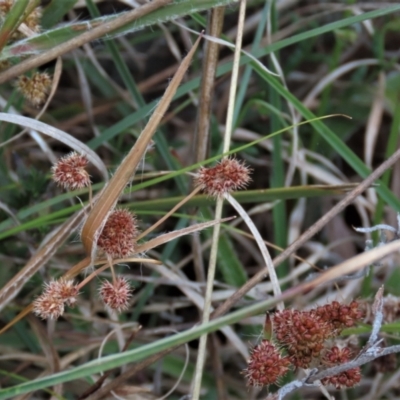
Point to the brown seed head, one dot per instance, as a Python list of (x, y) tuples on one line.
[(70, 171), (227, 176), (46, 306), (302, 334), (116, 295), (117, 238), (55, 295), (337, 356), (265, 365), (340, 316), (35, 89)]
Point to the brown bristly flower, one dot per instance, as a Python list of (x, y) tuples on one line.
[(36, 88), (117, 294), (302, 333), (117, 238), (337, 356), (225, 177), (46, 306), (65, 289), (340, 316), (54, 297), (266, 365), (70, 171)]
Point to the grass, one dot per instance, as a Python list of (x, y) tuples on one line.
[(130, 101)]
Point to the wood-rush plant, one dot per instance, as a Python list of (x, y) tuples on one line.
[(298, 340), (307, 340)]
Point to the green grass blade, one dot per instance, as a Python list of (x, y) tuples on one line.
[(55, 11), (135, 355), (129, 121), (345, 152)]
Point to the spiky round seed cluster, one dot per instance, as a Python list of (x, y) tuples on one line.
[(340, 316), (302, 333), (337, 356), (70, 171), (116, 295), (48, 307), (227, 176), (117, 238), (36, 88), (65, 289), (265, 365), (50, 304)]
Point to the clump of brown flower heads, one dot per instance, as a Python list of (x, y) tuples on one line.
[(303, 333), (116, 294), (36, 88), (70, 171), (117, 238), (303, 337), (266, 365), (336, 356), (56, 294), (227, 176)]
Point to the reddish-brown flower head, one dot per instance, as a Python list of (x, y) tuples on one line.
[(340, 316), (36, 88), (116, 295), (227, 176), (46, 306), (70, 171), (64, 289), (265, 365), (117, 238), (337, 356), (55, 295), (302, 333)]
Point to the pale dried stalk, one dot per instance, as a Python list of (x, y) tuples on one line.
[(309, 233), (218, 211), (127, 168), (13, 287)]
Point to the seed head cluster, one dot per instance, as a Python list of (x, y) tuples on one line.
[(36, 88), (304, 333), (340, 316), (303, 338), (266, 365), (117, 238), (336, 356), (56, 294), (70, 171), (117, 294), (227, 176)]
